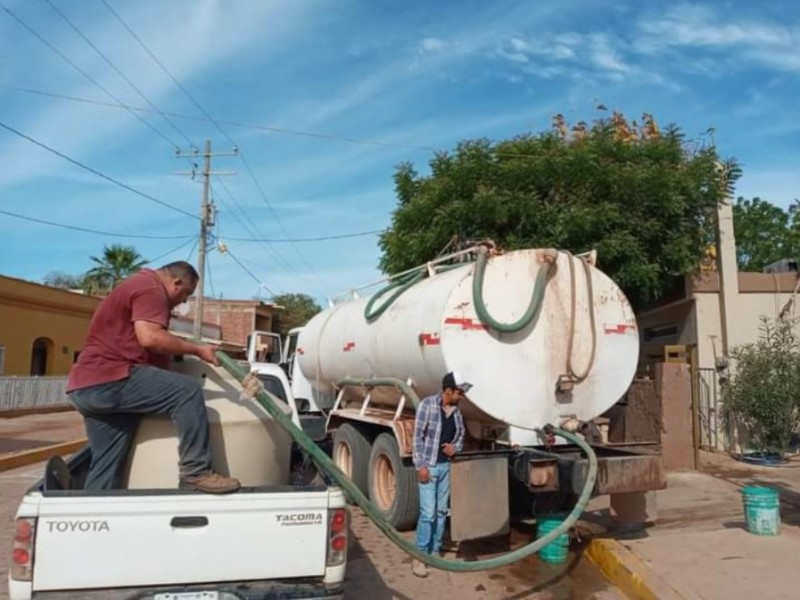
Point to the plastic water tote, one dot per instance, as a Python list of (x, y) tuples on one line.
[(761, 510)]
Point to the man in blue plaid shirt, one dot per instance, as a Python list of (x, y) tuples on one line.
[(438, 435)]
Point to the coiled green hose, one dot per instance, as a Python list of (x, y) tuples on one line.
[(326, 464), (534, 306)]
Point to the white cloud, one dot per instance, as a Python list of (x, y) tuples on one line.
[(88, 130), (686, 26), (604, 55), (432, 45)]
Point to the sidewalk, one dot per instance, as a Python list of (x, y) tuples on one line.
[(38, 430), (699, 545)]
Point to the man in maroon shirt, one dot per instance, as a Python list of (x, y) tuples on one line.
[(117, 378)]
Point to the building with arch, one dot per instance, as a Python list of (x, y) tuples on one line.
[(41, 328)]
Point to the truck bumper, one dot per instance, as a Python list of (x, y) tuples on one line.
[(245, 590)]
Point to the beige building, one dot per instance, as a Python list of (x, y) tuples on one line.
[(695, 319), (720, 309)]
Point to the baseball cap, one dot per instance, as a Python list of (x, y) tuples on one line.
[(452, 380)]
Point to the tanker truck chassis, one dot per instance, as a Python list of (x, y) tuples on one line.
[(545, 338)]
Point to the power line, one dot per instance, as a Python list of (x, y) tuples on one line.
[(257, 127), (167, 71), (183, 245), (253, 126), (309, 239), (95, 231), (194, 247), (209, 117), (61, 55), (249, 272), (96, 172), (111, 64)]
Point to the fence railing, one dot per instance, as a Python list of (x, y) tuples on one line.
[(19, 393)]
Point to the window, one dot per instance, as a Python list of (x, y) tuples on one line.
[(2, 360), (659, 333), (273, 385)]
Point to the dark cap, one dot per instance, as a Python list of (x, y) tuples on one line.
[(453, 381)]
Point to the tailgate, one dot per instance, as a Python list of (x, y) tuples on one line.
[(152, 539)]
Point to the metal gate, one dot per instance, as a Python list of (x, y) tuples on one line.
[(709, 413)]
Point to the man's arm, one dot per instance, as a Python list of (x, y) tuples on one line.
[(154, 338), (420, 425)]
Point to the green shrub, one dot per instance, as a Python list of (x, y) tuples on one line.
[(763, 395)]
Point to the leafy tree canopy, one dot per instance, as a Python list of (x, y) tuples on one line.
[(638, 196), (297, 311), (765, 233)]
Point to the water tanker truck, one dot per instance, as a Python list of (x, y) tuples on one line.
[(544, 337)]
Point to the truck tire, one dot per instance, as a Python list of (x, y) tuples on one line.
[(392, 484), (351, 452)]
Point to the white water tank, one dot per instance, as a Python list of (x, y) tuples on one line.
[(246, 442), (433, 328)]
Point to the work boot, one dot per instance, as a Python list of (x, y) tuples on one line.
[(419, 568), (211, 483)]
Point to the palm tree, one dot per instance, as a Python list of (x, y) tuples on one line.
[(117, 263)]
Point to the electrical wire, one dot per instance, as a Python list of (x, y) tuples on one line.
[(96, 172), (116, 69), (249, 272), (95, 231), (309, 239), (220, 129), (183, 245), (66, 59)]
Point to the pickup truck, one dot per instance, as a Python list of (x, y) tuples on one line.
[(170, 544)]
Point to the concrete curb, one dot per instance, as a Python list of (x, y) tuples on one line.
[(14, 460), (622, 568)]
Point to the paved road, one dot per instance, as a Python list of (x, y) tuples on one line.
[(378, 570)]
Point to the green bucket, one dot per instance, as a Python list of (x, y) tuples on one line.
[(557, 550), (761, 510)]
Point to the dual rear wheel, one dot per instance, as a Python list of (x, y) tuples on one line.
[(378, 470)]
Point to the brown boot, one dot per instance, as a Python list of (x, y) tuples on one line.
[(211, 483)]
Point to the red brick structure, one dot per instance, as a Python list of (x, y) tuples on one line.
[(237, 319)]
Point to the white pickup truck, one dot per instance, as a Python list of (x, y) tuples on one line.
[(168, 544)]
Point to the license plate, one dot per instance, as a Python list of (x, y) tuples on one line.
[(210, 595)]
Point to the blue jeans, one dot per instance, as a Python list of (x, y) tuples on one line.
[(111, 412), (434, 500)]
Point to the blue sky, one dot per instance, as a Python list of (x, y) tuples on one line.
[(412, 74)]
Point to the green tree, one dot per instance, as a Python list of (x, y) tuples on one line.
[(764, 233), (643, 201), (117, 263), (296, 310)]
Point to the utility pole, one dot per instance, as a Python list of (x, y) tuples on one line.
[(207, 212)]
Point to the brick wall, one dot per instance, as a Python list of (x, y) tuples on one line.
[(236, 318)]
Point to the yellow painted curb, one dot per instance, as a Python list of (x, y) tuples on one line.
[(14, 460), (622, 568)]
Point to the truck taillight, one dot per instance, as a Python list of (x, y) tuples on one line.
[(22, 551), (337, 537)]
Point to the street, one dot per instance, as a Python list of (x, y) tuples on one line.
[(378, 570)]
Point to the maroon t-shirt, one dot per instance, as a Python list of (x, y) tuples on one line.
[(111, 347)]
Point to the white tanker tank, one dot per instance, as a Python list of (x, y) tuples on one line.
[(525, 378)]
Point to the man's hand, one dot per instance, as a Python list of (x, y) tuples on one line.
[(208, 353), (424, 475), (448, 449)]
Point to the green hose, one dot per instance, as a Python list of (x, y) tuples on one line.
[(534, 306), (399, 286), (327, 465)]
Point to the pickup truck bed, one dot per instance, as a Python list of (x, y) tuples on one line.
[(262, 542)]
